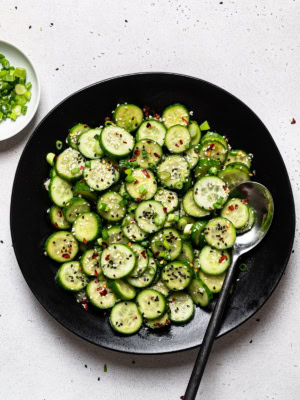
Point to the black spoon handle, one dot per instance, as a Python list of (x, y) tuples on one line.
[(210, 334)]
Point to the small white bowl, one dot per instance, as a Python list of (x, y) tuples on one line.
[(17, 58)]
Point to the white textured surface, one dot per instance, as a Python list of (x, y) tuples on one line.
[(250, 48)]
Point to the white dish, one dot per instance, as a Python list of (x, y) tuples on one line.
[(17, 58)]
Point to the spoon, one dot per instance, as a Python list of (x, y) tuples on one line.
[(260, 199)]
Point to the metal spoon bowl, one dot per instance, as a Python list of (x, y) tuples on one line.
[(260, 199)]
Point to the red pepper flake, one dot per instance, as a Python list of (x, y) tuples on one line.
[(137, 152), (180, 141), (143, 253), (165, 209), (136, 182), (156, 116), (86, 307), (103, 293), (84, 241), (185, 120), (84, 300), (293, 121), (159, 324), (224, 187), (148, 125), (146, 110), (245, 201), (173, 299), (135, 317), (107, 257), (81, 167), (176, 144), (211, 147), (134, 159), (138, 200), (146, 173), (116, 167), (168, 322), (231, 208), (117, 134), (60, 214), (156, 155), (236, 206), (181, 397), (56, 225), (96, 273), (107, 119), (221, 259), (66, 255), (85, 126)]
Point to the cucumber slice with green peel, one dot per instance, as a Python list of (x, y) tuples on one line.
[(181, 308), (110, 207), (200, 293), (114, 163), (152, 130), (150, 216), (197, 236), (192, 156), (142, 260), (195, 132), (87, 227), (147, 278), (160, 322), (131, 230), (128, 116), (166, 244), (167, 198), (178, 139), (233, 176), (213, 150), (57, 218), (214, 261), (152, 304), (161, 287), (81, 189), (214, 136), (187, 253), (114, 235), (220, 233), (237, 212), (125, 318), (88, 144), (239, 156), (70, 277), (74, 134), (147, 153), (90, 262), (249, 224), (173, 172), (74, 208), (117, 261), (241, 166), (52, 172), (210, 192), (61, 246), (60, 191), (143, 184), (100, 294), (99, 175), (207, 167), (191, 208), (213, 282), (69, 164), (116, 142), (123, 290), (176, 114), (176, 275)]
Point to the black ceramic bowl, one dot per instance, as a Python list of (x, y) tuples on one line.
[(227, 115)]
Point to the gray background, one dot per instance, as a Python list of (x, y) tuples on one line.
[(250, 48)]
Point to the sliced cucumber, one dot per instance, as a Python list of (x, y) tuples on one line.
[(214, 261), (147, 153), (110, 207), (249, 224), (220, 233), (123, 290), (61, 246), (213, 282), (125, 318), (114, 235), (172, 219), (74, 134), (57, 218), (195, 132), (214, 150), (153, 130), (60, 191), (239, 165), (167, 198), (200, 293), (160, 322), (131, 230), (152, 304), (184, 221), (216, 137), (178, 139), (209, 191), (128, 116), (191, 208), (166, 244), (173, 172), (146, 278), (69, 164), (161, 287), (143, 186), (207, 167), (176, 275), (88, 144), (239, 156), (81, 189), (181, 308), (197, 235), (90, 262), (237, 212), (117, 261), (100, 294), (176, 114), (52, 173), (74, 208), (233, 176), (187, 253), (70, 277), (100, 175), (192, 157), (150, 216), (116, 142), (87, 227), (142, 260)]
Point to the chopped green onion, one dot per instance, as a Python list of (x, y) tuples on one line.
[(144, 154), (5, 63), (88, 164), (129, 179), (178, 185), (100, 241), (158, 221), (123, 203), (24, 109), (126, 196), (1, 115), (108, 123), (50, 158), (128, 171), (104, 207), (219, 203), (243, 267), (21, 73), (132, 208), (167, 244), (59, 144), (164, 254), (213, 171), (27, 94), (20, 89), (143, 189), (158, 243), (145, 243), (184, 237), (204, 126), (75, 171), (28, 85), (105, 234)]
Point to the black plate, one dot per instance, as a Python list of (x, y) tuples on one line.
[(227, 115)]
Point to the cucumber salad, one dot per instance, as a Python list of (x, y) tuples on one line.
[(143, 222)]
